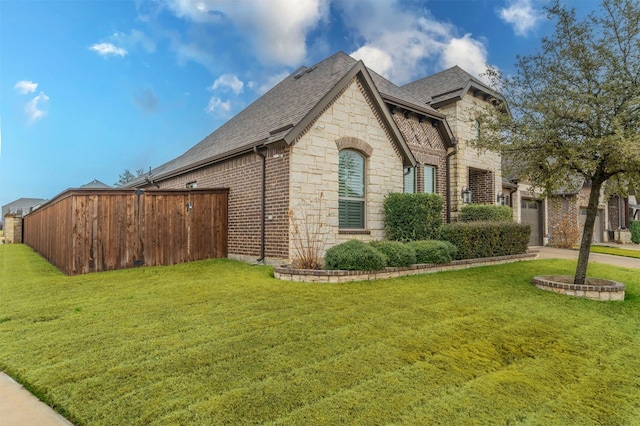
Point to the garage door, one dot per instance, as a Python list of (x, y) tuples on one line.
[(597, 227), (531, 212)]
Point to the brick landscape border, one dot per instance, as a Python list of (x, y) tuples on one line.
[(322, 276), (595, 289)]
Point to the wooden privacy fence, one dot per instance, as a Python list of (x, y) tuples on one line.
[(91, 230)]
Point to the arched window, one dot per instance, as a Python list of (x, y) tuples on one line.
[(351, 196)]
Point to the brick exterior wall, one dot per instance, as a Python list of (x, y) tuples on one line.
[(350, 120), (428, 148), (482, 186), (243, 176), (618, 212)]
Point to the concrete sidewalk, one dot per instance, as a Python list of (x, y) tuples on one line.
[(18, 407), (556, 253)]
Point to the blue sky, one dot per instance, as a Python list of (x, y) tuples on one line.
[(91, 88)]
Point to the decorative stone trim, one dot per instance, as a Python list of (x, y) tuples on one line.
[(595, 289), (322, 276), (349, 142)]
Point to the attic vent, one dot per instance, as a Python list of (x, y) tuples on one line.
[(303, 72), (280, 129)]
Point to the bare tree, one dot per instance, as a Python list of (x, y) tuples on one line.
[(574, 107)]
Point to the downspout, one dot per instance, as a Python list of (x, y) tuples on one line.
[(515, 182), (448, 180), (405, 174), (262, 203)]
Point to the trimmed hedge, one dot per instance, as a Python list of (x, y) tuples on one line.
[(397, 253), (487, 239), (485, 213), (634, 227), (354, 255), (433, 251), (411, 217)]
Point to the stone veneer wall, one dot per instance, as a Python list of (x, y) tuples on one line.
[(461, 118), (314, 165), (13, 229), (243, 176)]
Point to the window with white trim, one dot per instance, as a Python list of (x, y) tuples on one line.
[(429, 180), (409, 180), (351, 195)]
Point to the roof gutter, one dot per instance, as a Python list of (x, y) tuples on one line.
[(246, 149)]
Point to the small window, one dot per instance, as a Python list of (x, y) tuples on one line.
[(351, 195), (429, 179), (409, 180), (192, 185), (477, 128)]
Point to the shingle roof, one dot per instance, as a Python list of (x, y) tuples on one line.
[(95, 184), (274, 115), (448, 85), (21, 205)]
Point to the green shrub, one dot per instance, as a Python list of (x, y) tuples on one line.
[(398, 254), (634, 227), (487, 239), (354, 255), (433, 251), (485, 213), (411, 217)]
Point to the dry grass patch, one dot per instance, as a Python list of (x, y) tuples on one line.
[(222, 342)]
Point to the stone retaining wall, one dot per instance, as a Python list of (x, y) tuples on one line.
[(321, 276), (615, 291)]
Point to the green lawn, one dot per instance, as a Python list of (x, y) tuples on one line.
[(616, 251), (222, 342)]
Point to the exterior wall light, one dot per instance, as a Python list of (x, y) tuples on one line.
[(466, 196), (502, 199)]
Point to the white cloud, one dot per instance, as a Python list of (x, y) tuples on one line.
[(217, 105), (133, 39), (521, 15), (375, 58), (228, 81), (25, 86), (33, 109), (106, 49), (467, 53), (403, 48), (277, 28)]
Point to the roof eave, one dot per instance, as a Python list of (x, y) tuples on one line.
[(199, 165)]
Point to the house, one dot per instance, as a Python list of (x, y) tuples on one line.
[(476, 176), (621, 211), (12, 215), (95, 184), (22, 206), (326, 145)]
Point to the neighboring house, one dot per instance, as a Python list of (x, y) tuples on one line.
[(95, 184), (323, 147), (22, 206), (461, 97), (621, 211)]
